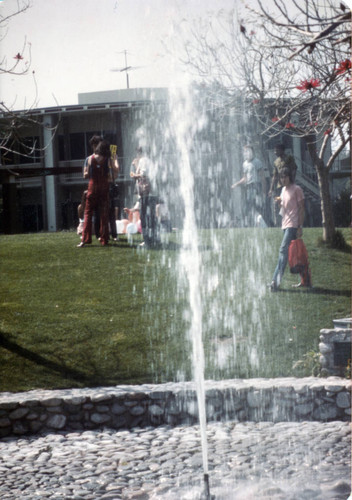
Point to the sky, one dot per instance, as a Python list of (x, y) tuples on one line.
[(75, 44)]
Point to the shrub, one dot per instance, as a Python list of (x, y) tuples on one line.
[(342, 209), (308, 366), (338, 242)]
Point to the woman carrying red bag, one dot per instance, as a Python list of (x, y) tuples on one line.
[(291, 204)]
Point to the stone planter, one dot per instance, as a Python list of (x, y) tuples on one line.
[(335, 348)]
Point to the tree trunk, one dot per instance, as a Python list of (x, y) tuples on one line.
[(325, 204), (324, 188)]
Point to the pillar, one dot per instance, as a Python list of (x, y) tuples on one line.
[(50, 180)]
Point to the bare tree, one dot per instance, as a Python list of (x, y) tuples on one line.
[(13, 66), (315, 38), (290, 64), (15, 123)]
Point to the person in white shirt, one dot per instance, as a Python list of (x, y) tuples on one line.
[(253, 184), (144, 175)]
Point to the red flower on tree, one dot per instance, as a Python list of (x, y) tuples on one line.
[(308, 84), (275, 119), (343, 67), (327, 132), (290, 125), (18, 56)]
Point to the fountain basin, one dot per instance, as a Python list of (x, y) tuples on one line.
[(174, 404)]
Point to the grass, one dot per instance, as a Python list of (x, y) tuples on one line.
[(104, 316)]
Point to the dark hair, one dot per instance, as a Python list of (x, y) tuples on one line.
[(146, 150), (84, 196), (94, 141), (103, 149), (286, 171)]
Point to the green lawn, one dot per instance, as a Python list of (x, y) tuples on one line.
[(103, 316)]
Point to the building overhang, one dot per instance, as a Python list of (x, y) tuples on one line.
[(124, 96), (99, 101)]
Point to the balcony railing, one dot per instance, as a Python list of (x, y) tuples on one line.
[(74, 178), (307, 177)]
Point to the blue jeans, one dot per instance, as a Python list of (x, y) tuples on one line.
[(289, 234), (148, 220)]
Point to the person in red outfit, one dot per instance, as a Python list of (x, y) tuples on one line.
[(99, 168)]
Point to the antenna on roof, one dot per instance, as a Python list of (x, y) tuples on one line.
[(126, 68)]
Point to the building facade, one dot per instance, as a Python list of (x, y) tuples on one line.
[(42, 188)]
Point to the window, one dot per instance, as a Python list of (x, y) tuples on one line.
[(29, 150), (78, 146), (61, 148)]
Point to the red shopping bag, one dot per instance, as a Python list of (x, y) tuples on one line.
[(298, 261)]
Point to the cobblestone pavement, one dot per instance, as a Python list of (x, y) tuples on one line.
[(288, 461)]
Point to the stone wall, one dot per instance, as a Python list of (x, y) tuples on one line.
[(125, 407), (330, 340)]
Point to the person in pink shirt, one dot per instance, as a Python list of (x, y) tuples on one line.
[(291, 204)]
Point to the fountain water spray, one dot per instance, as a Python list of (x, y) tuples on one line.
[(185, 127)]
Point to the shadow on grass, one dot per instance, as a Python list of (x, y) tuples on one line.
[(40, 360), (318, 291), (123, 244)]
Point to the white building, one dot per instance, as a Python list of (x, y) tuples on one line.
[(34, 200)]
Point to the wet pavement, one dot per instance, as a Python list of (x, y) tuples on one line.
[(286, 460)]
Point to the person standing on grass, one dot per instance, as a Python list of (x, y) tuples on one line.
[(282, 161), (253, 184), (98, 170), (80, 212), (291, 203), (145, 175), (113, 197), (93, 142)]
